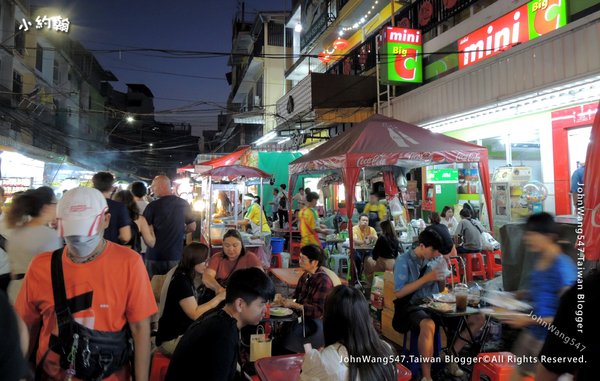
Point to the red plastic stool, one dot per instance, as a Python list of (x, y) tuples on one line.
[(160, 364), (403, 373), (295, 251), (475, 265), (498, 367), (455, 277), (276, 260), (491, 267)]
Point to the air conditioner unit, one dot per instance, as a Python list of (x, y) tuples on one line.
[(257, 100)]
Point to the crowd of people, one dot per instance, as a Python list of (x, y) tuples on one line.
[(77, 272)]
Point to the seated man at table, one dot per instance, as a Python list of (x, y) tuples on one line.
[(209, 348), (363, 235), (415, 280)]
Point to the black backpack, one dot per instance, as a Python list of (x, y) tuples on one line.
[(136, 238), (283, 202)]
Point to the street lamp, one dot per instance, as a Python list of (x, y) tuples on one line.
[(129, 119)]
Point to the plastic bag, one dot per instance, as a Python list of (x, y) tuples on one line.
[(395, 207), (488, 242)]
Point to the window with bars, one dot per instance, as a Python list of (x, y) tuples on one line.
[(39, 57)]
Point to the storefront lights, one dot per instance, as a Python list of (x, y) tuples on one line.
[(579, 92)]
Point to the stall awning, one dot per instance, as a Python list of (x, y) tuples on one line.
[(230, 159), (235, 171)]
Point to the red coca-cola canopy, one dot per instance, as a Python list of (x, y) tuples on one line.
[(591, 216), (234, 171), (382, 142)]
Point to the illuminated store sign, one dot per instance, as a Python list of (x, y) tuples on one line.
[(402, 56), (525, 23)]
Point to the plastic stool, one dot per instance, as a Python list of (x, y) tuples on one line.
[(295, 251), (335, 262), (475, 265), (276, 260), (491, 267), (403, 373), (454, 278), (160, 364), (499, 367), (415, 367)]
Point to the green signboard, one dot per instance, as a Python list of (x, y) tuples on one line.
[(401, 61), (442, 176)]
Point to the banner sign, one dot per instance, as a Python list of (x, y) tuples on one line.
[(401, 58), (525, 23)]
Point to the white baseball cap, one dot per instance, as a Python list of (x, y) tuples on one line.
[(79, 212)]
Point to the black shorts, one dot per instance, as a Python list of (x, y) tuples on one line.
[(408, 319)]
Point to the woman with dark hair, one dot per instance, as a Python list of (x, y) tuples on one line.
[(448, 219), (447, 243), (470, 230), (179, 308), (139, 226), (234, 257), (348, 332), (552, 274), (385, 252), (30, 215), (309, 298)]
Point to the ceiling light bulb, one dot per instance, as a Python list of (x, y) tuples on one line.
[(298, 28)]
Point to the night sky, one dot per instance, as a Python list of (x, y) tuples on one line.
[(193, 25)]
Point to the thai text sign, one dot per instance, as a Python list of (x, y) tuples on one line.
[(525, 23), (402, 56)]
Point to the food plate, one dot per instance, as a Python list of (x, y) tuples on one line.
[(444, 298), (281, 311), (501, 314), (442, 307), (505, 300)]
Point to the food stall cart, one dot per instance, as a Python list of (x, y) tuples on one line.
[(232, 180)]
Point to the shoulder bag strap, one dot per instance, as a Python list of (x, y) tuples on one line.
[(63, 313), (478, 228)]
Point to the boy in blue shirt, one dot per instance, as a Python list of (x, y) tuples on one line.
[(416, 278), (552, 274)]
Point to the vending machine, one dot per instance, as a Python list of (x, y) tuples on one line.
[(509, 200)]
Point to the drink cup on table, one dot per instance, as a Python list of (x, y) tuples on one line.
[(441, 268), (461, 293)]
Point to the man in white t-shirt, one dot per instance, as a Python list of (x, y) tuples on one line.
[(300, 198)]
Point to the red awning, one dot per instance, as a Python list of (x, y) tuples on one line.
[(187, 168), (229, 159), (233, 171)]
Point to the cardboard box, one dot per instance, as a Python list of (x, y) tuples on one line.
[(388, 290)]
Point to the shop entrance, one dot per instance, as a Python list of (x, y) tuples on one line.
[(571, 129)]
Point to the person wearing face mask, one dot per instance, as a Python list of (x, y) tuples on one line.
[(106, 286)]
